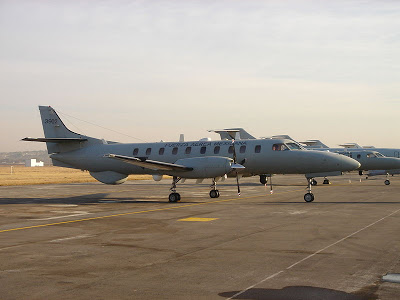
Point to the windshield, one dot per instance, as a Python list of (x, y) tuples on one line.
[(279, 147), (293, 146)]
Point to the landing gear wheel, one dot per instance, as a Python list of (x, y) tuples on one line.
[(174, 197), (326, 181), (214, 194), (387, 182), (314, 182), (309, 197), (263, 179)]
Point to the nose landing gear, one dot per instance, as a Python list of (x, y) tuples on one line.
[(309, 197), (174, 196), (214, 193)]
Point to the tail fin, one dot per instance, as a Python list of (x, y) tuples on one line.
[(53, 127), (58, 137)]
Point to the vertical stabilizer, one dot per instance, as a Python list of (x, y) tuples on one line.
[(54, 128)]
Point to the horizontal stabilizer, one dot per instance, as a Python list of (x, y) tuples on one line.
[(233, 134), (314, 144), (350, 145), (149, 164), (54, 140)]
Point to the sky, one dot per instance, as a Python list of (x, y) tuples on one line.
[(134, 71)]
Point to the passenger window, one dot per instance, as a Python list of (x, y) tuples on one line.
[(135, 151), (230, 150), (188, 150), (242, 149), (161, 151), (175, 150), (257, 149), (203, 150), (216, 149), (351, 155), (358, 156), (148, 151)]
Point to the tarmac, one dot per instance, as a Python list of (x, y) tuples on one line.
[(82, 241)]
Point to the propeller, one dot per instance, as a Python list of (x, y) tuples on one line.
[(236, 166)]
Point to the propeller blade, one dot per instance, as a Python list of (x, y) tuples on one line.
[(234, 151), (236, 166), (237, 182)]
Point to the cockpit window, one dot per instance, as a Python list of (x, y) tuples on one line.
[(379, 154), (293, 146), (369, 155), (279, 147)]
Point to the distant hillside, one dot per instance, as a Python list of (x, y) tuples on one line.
[(17, 158)]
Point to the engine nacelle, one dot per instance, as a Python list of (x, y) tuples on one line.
[(204, 167), (157, 177), (109, 177)]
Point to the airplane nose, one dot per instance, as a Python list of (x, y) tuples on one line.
[(349, 164)]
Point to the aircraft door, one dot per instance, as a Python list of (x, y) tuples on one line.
[(396, 154)]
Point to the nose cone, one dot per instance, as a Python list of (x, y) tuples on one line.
[(348, 164)]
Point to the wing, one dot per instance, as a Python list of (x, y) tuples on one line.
[(149, 164), (54, 140)]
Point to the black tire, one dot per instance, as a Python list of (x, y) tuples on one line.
[(326, 181), (171, 197), (314, 182), (309, 197), (174, 197), (387, 182), (214, 194)]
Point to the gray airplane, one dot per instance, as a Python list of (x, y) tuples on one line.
[(377, 161), (370, 158), (111, 162)]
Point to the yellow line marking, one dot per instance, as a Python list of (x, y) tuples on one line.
[(139, 212), (198, 219)]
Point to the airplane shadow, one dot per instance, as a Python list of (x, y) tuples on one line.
[(315, 202), (300, 293), (90, 199)]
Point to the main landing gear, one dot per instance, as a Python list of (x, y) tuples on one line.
[(309, 197), (214, 193), (174, 196)]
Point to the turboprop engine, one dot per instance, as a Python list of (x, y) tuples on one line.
[(205, 167)]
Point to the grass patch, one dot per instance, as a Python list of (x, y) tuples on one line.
[(22, 175)]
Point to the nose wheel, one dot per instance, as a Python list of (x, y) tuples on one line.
[(214, 193), (174, 196), (309, 197), (387, 182)]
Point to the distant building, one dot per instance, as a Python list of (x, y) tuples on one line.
[(33, 163)]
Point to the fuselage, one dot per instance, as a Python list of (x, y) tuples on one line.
[(258, 156), (370, 159)]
